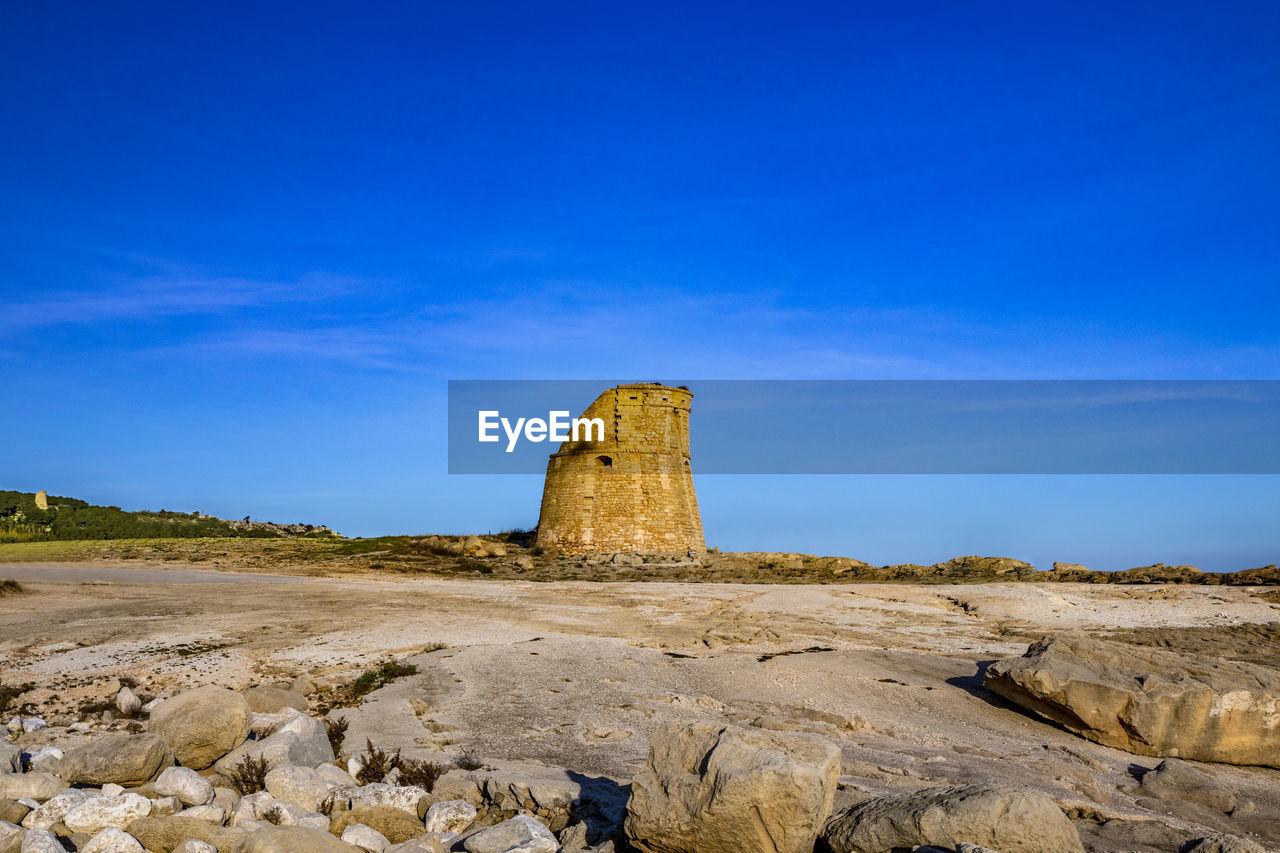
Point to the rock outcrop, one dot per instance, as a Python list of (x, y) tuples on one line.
[(1006, 819), (721, 789), (1148, 701)]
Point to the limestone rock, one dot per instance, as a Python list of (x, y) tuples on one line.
[(403, 797), (1147, 700), (301, 785), (202, 725), (291, 839), (112, 840), (710, 788), (520, 834), (365, 837), (127, 702), (44, 760), (37, 786), (337, 775), (191, 845), (252, 807), (101, 812), (1006, 819), (396, 824), (1177, 780), (459, 785), (12, 811), (54, 809), (187, 785), (450, 816), (165, 833), (9, 833), (121, 758), (165, 805), (226, 798), (41, 841), (425, 844), (303, 686), (301, 741), (1222, 844), (272, 700), (10, 757), (213, 814)]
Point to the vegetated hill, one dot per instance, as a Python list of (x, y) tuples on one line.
[(23, 520)]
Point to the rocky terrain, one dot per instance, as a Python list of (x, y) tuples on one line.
[(512, 556), (150, 704)]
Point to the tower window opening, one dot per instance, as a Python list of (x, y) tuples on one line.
[(605, 461)]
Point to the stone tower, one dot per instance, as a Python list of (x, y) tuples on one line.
[(633, 491)]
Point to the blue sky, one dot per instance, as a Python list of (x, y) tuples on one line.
[(242, 249)]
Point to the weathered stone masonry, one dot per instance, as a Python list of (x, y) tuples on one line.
[(633, 491)]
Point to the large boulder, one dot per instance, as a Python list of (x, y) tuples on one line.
[(450, 816), (41, 841), (36, 786), (396, 824), (709, 788), (366, 838), (124, 759), (53, 810), (187, 785), (1148, 701), (403, 797), (163, 834), (202, 725), (302, 785), (101, 812), (302, 741), (1006, 819), (291, 839), (112, 840), (521, 833)]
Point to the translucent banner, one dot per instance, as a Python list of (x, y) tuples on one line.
[(874, 427)]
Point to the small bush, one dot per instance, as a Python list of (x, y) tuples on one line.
[(9, 586), (9, 692), (336, 729), (421, 773), (377, 764), (466, 761), (387, 672), (274, 815), (249, 776)]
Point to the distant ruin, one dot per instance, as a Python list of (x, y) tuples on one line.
[(633, 491), (42, 499)]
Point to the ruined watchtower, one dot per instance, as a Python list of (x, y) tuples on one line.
[(631, 491)]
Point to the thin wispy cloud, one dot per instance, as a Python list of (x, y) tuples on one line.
[(169, 295)]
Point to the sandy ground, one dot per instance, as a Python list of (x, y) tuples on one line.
[(578, 674)]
